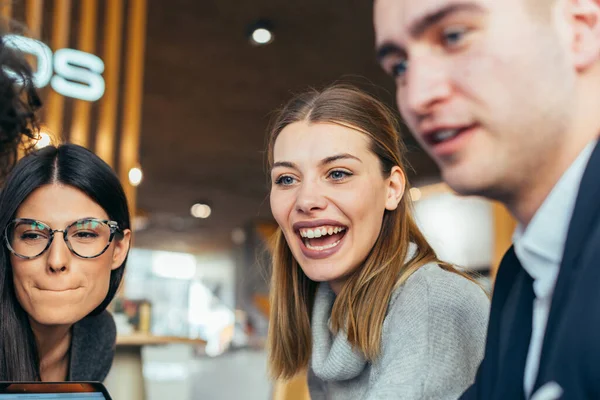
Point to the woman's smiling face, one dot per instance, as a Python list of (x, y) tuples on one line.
[(329, 195)]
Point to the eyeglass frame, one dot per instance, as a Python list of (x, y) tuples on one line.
[(113, 225)]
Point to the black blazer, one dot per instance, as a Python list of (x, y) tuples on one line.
[(571, 348)]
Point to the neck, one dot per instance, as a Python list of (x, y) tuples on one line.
[(53, 345), (584, 127), (336, 286)]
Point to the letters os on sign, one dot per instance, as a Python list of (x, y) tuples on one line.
[(70, 72)]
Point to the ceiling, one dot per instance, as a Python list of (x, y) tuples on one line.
[(208, 97)]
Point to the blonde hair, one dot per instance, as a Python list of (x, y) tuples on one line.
[(361, 305)]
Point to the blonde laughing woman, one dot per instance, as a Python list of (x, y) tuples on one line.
[(358, 296)]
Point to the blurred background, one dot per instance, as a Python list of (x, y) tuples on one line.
[(176, 96)]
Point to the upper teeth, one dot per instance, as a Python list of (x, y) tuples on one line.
[(445, 134), (320, 231)]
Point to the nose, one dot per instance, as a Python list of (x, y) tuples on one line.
[(59, 254), (427, 85), (310, 198)]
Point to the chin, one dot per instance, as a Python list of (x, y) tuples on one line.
[(54, 317), (463, 181), (326, 271), (56, 321), (316, 274), (319, 273)]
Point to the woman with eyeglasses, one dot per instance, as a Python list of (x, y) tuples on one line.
[(66, 234)]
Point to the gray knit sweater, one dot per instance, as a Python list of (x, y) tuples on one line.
[(432, 343)]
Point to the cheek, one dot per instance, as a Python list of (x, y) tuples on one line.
[(407, 116), (366, 211), (495, 55), (101, 288), (371, 219), (22, 289), (471, 72), (97, 283), (98, 275), (281, 205), (23, 276)]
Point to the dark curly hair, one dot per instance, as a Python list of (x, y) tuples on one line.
[(19, 101)]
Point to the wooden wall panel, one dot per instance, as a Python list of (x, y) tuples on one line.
[(109, 126), (80, 127)]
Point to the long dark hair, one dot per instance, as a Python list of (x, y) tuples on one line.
[(19, 103), (71, 165)]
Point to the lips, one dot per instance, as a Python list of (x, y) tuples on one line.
[(445, 141), (315, 223), (57, 290), (320, 238), (441, 135)]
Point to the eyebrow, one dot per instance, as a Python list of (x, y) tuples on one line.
[(343, 156), (285, 164), (422, 24), (325, 161), (387, 49)]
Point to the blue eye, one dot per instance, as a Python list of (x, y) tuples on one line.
[(453, 36), (338, 175), (399, 69), (285, 180)]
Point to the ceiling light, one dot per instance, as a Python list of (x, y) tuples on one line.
[(262, 36), (135, 176), (43, 141), (261, 33), (199, 210)]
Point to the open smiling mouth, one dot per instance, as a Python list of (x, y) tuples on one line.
[(445, 135), (322, 238)]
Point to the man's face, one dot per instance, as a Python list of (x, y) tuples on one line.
[(485, 86)]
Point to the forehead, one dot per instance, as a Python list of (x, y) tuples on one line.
[(302, 141), (58, 204), (394, 19)]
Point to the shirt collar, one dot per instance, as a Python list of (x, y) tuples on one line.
[(545, 236)]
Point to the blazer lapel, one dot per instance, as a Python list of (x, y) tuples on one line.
[(585, 216), (511, 331), (586, 212), (514, 343)]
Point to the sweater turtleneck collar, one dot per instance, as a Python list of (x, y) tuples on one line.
[(333, 358)]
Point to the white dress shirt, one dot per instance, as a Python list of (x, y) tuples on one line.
[(540, 249)]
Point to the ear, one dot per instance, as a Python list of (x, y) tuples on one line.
[(395, 188), (121, 249), (585, 17)]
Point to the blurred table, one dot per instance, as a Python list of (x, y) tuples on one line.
[(125, 380)]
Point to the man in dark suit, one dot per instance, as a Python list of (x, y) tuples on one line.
[(505, 96)]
